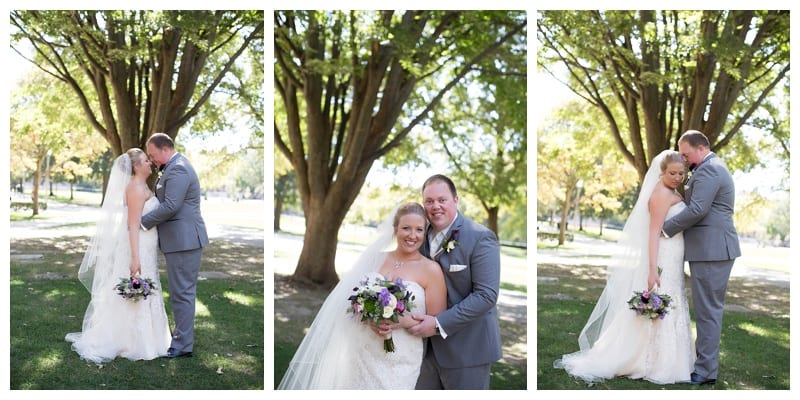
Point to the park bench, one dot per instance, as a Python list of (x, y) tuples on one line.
[(26, 205), (554, 236)]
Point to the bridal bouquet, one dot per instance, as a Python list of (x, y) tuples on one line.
[(135, 288), (379, 299), (650, 304)]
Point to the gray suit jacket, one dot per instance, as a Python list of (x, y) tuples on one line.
[(707, 221), (472, 277), (180, 225)]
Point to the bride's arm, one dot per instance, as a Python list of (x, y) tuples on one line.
[(135, 200), (435, 290), (435, 295)]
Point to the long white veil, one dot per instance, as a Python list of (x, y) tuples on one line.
[(110, 246), (321, 360), (628, 270)]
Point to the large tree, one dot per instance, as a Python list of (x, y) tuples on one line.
[(482, 128), (344, 79), (137, 72), (668, 71), (43, 130), (565, 163)]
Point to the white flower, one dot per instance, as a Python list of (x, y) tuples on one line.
[(388, 310)]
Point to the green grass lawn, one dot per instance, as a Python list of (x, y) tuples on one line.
[(48, 301), (754, 347)]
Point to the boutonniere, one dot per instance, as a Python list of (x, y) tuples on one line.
[(451, 243)]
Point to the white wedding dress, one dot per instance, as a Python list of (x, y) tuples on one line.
[(116, 327), (370, 367), (660, 351), (341, 352)]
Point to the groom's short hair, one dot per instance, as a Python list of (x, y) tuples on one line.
[(695, 138), (161, 140), (441, 178)]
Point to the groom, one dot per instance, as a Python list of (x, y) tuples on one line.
[(711, 246), (464, 339), (181, 235)]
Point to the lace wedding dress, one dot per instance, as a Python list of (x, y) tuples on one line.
[(341, 352), (370, 367), (116, 327), (660, 351)]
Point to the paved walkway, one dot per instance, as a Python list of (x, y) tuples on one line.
[(599, 251), (64, 219), (512, 305)]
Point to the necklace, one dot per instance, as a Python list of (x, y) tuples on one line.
[(397, 263)]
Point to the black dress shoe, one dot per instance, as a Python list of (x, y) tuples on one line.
[(172, 353), (699, 380)]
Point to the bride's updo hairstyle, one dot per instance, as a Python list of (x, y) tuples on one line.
[(406, 209), (136, 155), (671, 157)]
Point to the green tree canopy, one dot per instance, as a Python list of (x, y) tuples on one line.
[(482, 128), (135, 73), (348, 76), (669, 71)]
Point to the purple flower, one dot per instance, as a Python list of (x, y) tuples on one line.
[(384, 296), (400, 306), (656, 302)]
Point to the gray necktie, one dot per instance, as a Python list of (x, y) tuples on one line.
[(437, 242)]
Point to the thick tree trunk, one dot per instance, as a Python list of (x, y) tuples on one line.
[(317, 260), (324, 210)]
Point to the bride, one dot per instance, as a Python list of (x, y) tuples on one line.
[(618, 342), (113, 326), (339, 352)]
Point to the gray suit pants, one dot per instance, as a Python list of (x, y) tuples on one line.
[(709, 283), (183, 268), (432, 376)]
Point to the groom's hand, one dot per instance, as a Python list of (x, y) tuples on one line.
[(425, 328)]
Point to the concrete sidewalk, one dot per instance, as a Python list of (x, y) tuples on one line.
[(64, 219), (597, 252)]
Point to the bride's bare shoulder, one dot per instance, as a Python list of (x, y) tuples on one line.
[(432, 267), (137, 190)]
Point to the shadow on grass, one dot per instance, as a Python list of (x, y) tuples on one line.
[(755, 338), (47, 302)]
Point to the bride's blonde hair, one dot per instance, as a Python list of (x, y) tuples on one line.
[(671, 157), (135, 154), (408, 208)]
